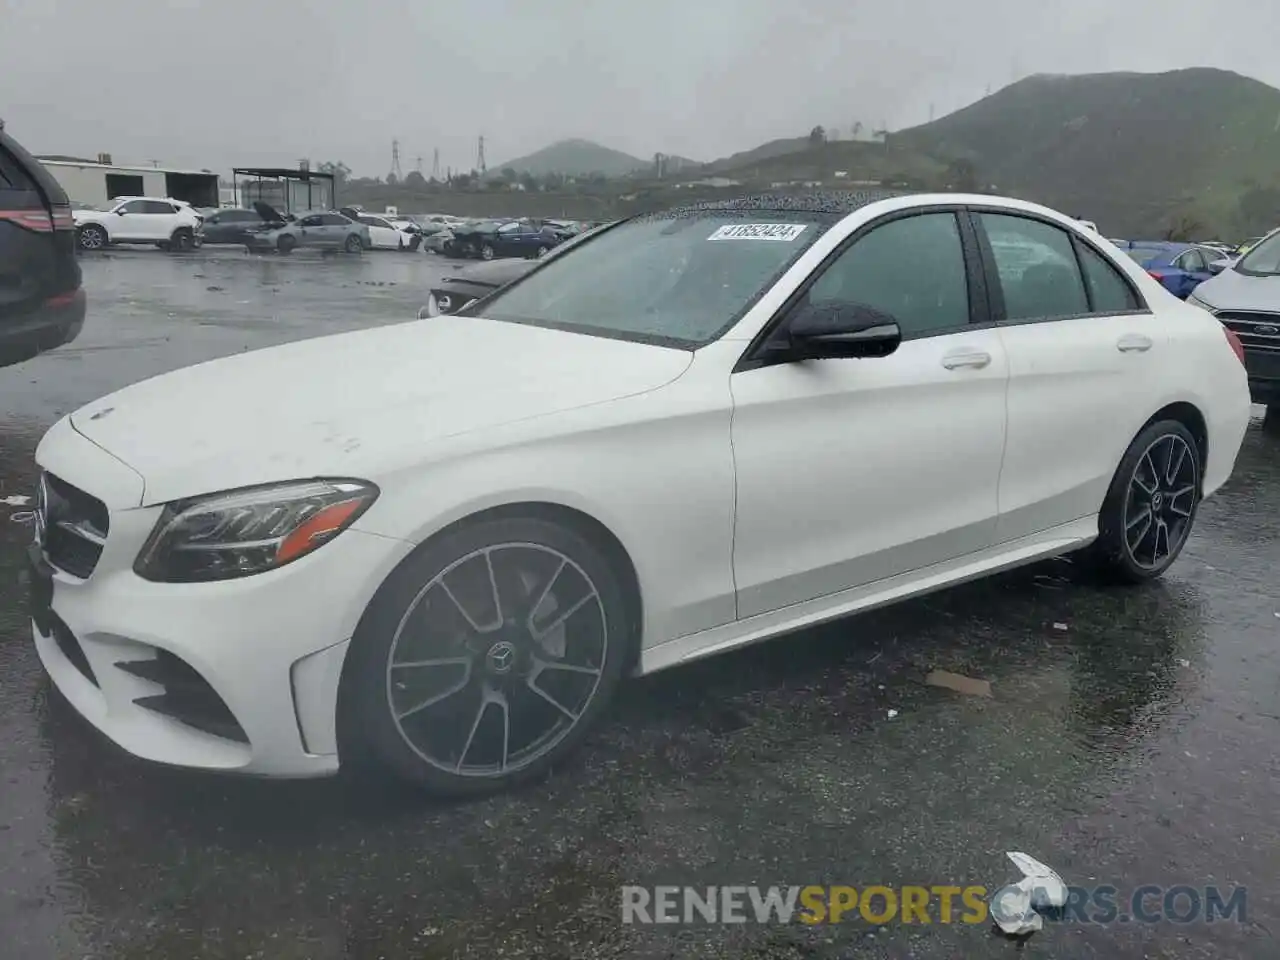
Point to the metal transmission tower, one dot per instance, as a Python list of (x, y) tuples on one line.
[(480, 164), (435, 164), (395, 160), (418, 164)]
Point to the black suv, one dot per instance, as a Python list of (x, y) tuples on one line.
[(41, 302)]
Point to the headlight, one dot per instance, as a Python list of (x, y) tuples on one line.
[(242, 532), (1197, 302)]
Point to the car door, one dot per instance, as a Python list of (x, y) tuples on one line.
[(851, 471), (129, 221), (159, 220), (506, 242), (1082, 346), (381, 233), (311, 231)]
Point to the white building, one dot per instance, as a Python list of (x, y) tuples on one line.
[(98, 183)]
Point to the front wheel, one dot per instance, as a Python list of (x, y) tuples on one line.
[(542, 251), (487, 252), (485, 658), (1149, 510), (286, 244)]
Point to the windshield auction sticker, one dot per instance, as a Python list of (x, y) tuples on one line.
[(785, 232)]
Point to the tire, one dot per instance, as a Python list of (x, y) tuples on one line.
[(91, 237), (495, 671), (182, 240), (1166, 457), (542, 251), (487, 252), (353, 244), (286, 244)]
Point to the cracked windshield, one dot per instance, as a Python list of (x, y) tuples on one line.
[(778, 480)]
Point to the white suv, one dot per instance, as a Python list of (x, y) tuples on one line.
[(169, 224)]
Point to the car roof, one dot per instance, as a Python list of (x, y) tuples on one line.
[(838, 202)]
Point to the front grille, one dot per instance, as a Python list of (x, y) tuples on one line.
[(1256, 330), (74, 526), (187, 696)]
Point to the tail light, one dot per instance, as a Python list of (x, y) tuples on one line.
[(40, 221), (62, 219), (1236, 345), (1155, 276)]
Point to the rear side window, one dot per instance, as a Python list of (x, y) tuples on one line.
[(157, 206), (12, 175), (1036, 267), (1108, 290)]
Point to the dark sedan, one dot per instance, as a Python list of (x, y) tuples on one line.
[(510, 238), (231, 226), (473, 282)]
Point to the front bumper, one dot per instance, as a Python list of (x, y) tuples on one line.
[(148, 664)]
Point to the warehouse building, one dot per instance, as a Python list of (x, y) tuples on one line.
[(98, 183)]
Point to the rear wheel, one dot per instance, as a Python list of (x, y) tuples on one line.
[(182, 240), (91, 237), (486, 657), (286, 244), (354, 244), (1149, 510), (486, 252)]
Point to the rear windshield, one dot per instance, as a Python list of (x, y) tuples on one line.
[(1144, 254)]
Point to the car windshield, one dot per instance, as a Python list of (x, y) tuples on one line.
[(1263, 260), (672, 279)]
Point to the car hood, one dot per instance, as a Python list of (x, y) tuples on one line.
[(357, 404), (493, 273), (1232, 290)]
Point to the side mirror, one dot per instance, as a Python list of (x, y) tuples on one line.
[(839, 330), (1217, 266), (121, 212)]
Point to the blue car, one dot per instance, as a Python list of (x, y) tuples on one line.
[(1180, 267)]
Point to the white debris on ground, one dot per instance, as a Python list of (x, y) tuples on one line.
[(892, 714), (1060, 626), (15, 500), (1014, 908)]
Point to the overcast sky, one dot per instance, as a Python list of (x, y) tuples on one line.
[(217, 83)]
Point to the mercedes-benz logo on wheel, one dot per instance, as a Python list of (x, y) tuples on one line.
[(501, 656), (1157, 500)]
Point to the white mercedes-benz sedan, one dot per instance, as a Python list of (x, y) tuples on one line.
[(442, 544)]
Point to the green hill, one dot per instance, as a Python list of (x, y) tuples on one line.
[(576, 158), (1138, 153)]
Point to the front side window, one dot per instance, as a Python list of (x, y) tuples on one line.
[(676, 279), (1193, 262), (912, 269), (1036, 267), (1263, 260), (132, 206)]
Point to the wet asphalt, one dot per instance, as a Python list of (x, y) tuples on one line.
[(1136, 746)]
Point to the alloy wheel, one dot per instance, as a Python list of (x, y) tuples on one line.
[(91, 238), (1160, 501), (497, 659)]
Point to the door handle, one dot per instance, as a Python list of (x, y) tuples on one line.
[(977, 359), (1134, 343)]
